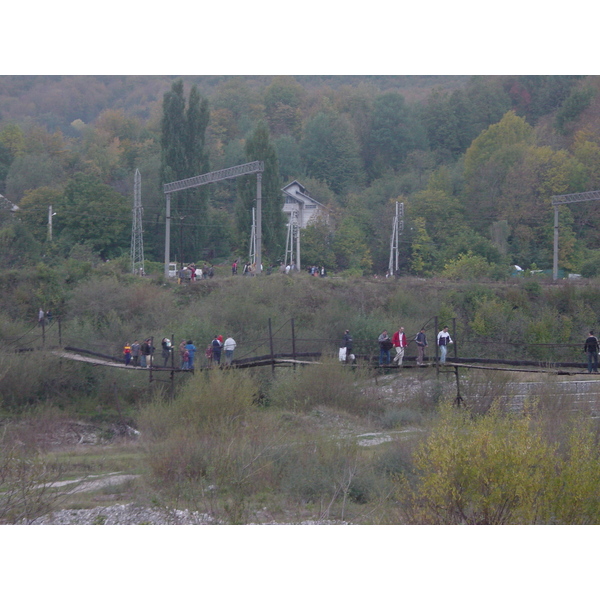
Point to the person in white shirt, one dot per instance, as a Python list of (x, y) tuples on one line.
[(229, 347), (443, 340)]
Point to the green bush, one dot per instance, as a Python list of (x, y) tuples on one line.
[(500, 468), (330, 383)]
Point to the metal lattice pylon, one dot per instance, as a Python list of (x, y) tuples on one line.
[(137, 240), (292, 236)]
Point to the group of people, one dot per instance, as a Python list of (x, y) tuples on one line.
[(217, 346), (399, 342), (140, 354), (317, 271), (191, 273)]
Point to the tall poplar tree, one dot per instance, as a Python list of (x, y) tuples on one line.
[(259, 147), (183, 155)]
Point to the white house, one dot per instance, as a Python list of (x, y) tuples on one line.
[(296, 199)]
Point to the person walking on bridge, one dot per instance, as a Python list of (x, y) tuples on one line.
[(399, 341), (135, 353), (591, 347), (421, 341), (444, 340), (191, 353), (229, 346), (385, 345)]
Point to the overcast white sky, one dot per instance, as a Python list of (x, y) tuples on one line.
[(307, 38)]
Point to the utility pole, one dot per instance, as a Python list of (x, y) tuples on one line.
[(137, 241), (167, 235), (252, 252), (50, 215), (258, 223)]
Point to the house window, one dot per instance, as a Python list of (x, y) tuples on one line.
[(311, 206)]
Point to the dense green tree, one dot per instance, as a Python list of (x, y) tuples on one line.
[(540, 94), (487, 162), (351, 249), (330, 151), (93, 213), (422, 251), (30, 171), (488, 102), (6, 159), (259, 147), (12, 138), (241, 104), (317, 245), (441, 123), (183, 155), (33, 209), (18, 246), (289, 157), (577, 101), (394, 133), (283, 99)]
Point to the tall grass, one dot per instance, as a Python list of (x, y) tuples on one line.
[(329, 383)]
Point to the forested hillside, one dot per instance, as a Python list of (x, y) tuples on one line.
[(475, 160)]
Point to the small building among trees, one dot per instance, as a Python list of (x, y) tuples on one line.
[(296, 199)]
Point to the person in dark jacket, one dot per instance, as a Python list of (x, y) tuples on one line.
[(385, 345), (443, 341), (591, 348), (146, 352), (216, 350), (421, 341)]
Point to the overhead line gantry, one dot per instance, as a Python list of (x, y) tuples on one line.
[(567, 199), (212, 177)]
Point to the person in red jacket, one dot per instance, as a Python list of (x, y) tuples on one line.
[(399, 341)]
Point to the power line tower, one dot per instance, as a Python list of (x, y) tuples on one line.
[(137, 241), (293, 234), (397, 228)]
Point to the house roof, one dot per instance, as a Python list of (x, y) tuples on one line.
[(299, 193)]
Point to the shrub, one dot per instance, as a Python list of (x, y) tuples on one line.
[(26, 490), (330, 383), (501, 468), (487, 469), (467, 267)]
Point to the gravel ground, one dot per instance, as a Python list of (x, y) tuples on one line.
[(131, 514), (125, 514)]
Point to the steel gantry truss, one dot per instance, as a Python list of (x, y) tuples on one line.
[(184, 184), (567, 199), (137, 241)]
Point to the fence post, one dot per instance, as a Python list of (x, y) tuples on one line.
[(454, 337)]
